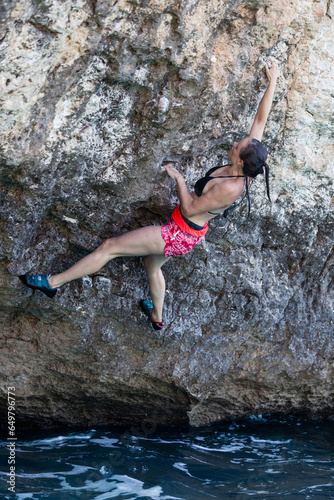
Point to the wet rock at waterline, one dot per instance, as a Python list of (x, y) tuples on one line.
[(95, 95)]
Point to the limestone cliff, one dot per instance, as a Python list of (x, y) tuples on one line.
[(94, 95)]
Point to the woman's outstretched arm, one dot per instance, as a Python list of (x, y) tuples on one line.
[(219, 195), (265, 104)]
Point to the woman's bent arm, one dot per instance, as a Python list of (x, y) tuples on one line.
[(223, 194), (184, 195)]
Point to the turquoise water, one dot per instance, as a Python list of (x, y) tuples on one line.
[(257, 458)]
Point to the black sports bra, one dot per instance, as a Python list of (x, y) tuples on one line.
[(201, 183)]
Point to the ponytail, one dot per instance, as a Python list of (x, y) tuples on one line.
[(266, 166)]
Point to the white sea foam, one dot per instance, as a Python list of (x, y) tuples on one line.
[(316, 486), (268, 441), (105, 442), (105, 471), (77, 469), (272, 471), (309, 461), (54, 441), (163, 441), (223, 449), (183, 467), (120, 485)]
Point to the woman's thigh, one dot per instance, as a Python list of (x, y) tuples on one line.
[(143, 241)]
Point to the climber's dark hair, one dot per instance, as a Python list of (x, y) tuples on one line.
[(254, 156)]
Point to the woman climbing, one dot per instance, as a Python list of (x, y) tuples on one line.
[(213, 194)]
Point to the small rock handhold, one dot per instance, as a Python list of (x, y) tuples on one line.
[(164, 104)]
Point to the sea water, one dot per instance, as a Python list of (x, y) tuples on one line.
[(256, 458)]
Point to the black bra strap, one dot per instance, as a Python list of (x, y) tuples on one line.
[(223, 176)]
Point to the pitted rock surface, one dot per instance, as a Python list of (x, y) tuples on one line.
[(95, 95)]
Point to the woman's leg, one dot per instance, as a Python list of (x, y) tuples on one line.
[(156, 281), (144, 241)]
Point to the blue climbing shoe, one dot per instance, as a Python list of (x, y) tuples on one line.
[(147, 306), (39, 283)]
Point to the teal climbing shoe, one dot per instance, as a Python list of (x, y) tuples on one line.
[(39, 283), (147, 306)]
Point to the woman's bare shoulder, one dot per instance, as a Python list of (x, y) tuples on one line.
[(233, 186)]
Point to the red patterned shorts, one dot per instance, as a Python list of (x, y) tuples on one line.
[(178, 241)]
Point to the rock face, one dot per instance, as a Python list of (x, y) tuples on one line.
[(95, 95)]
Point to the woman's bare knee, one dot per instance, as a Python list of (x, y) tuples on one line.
[(108, 247), (145, 262), (149, 265), (153, 264)]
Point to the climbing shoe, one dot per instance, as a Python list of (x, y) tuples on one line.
[(147, 306), (39, 283)]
